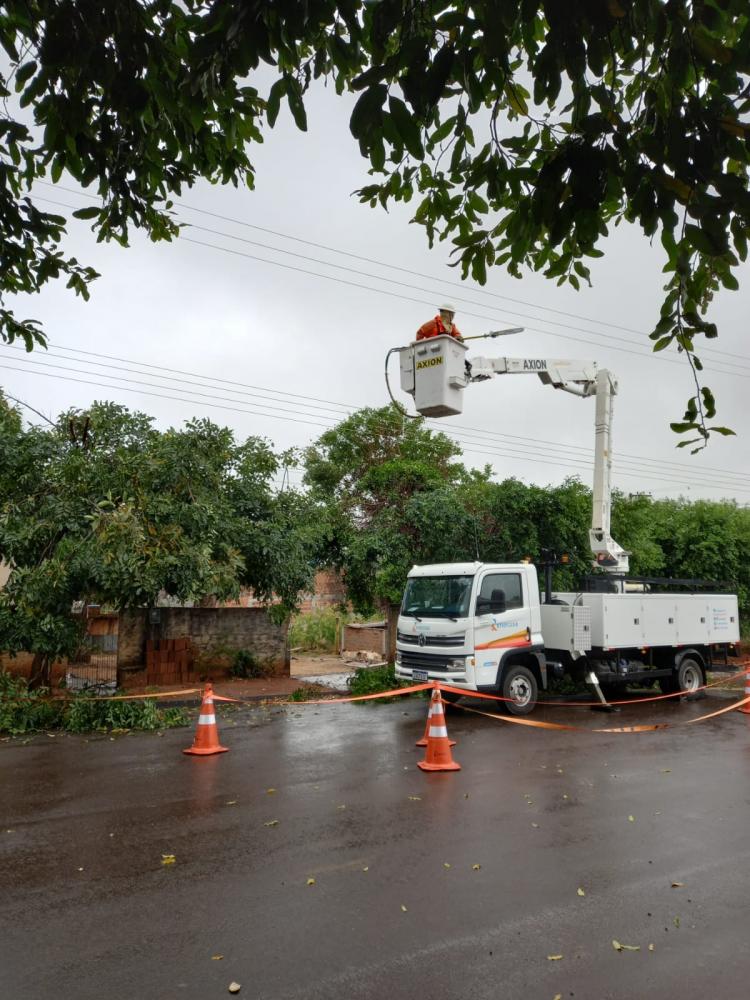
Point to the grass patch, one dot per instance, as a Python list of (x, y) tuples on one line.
[(23, 711)]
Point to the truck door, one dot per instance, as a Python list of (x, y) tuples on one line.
[(502, 619)]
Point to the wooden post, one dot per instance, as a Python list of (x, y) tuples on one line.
[(391, 628)]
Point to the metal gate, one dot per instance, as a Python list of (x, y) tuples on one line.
[(95, 666)]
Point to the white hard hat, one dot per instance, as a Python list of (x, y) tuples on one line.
[(447, 307)]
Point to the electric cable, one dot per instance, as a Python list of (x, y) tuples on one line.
[(392, 267), (461, 438), (553, 459), (465, 431), (343, 281)]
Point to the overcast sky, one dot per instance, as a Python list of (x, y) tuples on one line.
[(204, 314)]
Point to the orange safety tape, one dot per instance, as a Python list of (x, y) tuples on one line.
[(105, 697), (588, 704), (340, 701), (536, 724)]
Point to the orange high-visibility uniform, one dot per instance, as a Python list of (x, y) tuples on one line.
[(436, 327)]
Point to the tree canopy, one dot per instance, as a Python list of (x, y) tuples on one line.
[(523, 130), (392, 493), (103, 508)]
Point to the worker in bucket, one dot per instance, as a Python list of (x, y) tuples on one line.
[(443, 323)]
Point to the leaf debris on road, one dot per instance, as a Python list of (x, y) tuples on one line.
[(168, 859), (625, 947)]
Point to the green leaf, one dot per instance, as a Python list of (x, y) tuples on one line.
[(24, 73), (296, 104), (700, 239), (367, 110), (680, 427), (273, 103), (725, 431), (663, 342), (90, 212), (708, 402), (406, 126), (443, 131)]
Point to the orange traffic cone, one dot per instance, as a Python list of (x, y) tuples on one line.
[(423, 741), (438, 756), (746, 708), (206, 735)]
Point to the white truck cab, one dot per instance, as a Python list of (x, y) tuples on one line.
[(475, 626)]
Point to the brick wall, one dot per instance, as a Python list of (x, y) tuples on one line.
[(328, 592), (368, 639), (215, 634)]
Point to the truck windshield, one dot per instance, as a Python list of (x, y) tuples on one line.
[(437, 597)]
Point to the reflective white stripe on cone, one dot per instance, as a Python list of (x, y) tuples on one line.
[(438, 756), (745, 709), (206, 734), (423, 741)]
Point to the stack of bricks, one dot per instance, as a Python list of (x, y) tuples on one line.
[(168, 661)]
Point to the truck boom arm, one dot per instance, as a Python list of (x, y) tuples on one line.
[(436, 374)]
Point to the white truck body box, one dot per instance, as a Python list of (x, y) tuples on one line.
[(567, 626), (644, 620)]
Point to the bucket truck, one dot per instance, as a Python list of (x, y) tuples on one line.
[(486, 627)]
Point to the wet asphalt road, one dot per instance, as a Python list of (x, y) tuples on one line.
[(544, 814)]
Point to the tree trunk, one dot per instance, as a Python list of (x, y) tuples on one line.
[(41, 671)]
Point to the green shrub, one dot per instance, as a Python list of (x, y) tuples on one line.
[(318, 631), (245, 664), (23, 711), (373, 680)]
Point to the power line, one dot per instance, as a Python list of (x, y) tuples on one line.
[(407, 298), (392, 267), (179, 399), (465, 432), (463, 437), (381, 291), (545, 459)]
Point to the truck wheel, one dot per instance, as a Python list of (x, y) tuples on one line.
[(689, 677), (519, 685)]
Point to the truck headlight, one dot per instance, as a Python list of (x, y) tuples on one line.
[(457, 664), (398, 659)]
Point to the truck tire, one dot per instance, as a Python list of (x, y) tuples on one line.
[(520, 686), (690, 676), (687, 677)]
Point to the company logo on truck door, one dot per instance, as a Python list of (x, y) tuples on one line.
[(430, 362), (498, 625), (531, 364)]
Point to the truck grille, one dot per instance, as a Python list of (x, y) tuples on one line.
[(426, 661), (454, 641)]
